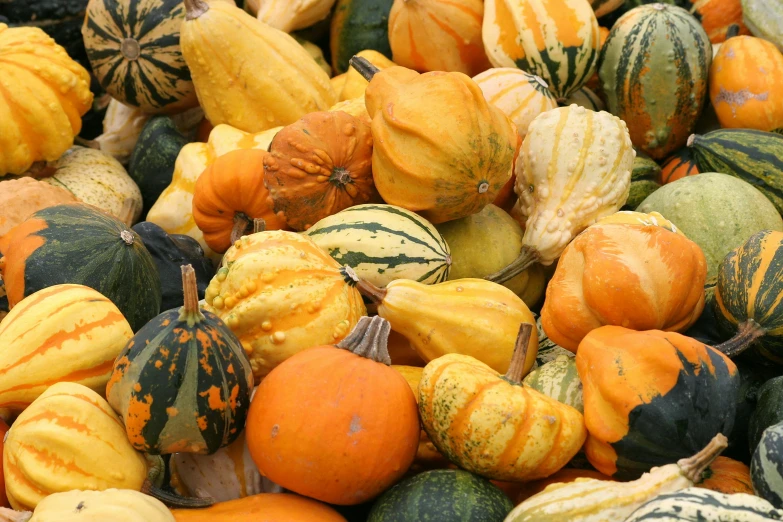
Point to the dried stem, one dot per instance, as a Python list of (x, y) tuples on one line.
[(369, 339), (517, 366), (190, 311), (747, 333), (241, 222), (527, 257), (195, 8), (693, 467), (367, 289), (363, 67)]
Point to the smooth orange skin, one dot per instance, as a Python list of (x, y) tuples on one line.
[(635, 276), (519, 492), (16, 246), (3, 497), (334, 426), (728, 476), (233, 183), (266, 507), (675, 168), (717, 15)]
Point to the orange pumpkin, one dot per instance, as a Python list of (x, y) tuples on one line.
[(3, 497), (642, 277), (229, 195), (318, 166), (746, 84), (717, 16), (677, 166), (728, 476), (336, 423), (269, 507)]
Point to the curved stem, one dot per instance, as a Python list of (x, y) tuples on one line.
[(190, 311), (173, 500), (363, 67), (693, 467), (195, 8), (517, 366), (241, 222), (369, 339), (527, 257), (732, 31), (747, 333), (368, 290)]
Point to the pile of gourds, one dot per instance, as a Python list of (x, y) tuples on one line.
[(391, 260)]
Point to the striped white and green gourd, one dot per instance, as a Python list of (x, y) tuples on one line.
[(559, 380), (558, 41), (383, 243), (766, 466), (704, 505)]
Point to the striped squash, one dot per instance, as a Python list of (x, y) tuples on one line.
[(358, 25), (520, 95), (62, 333), (678, 165), (750, 155), (68, 439), (559, 380), (383, 243), (697, 504), (548, 350), (644, 180), (556, 40), (586, 98), (133, 47), (716, 16), (654, 53), (766, 469)]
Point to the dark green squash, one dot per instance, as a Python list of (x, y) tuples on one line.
[(644, 180), (702, 505), (752, 378), (442, 496), (79, 244), (170, 252), (766, 466), (751, 155), (768, 412), (183, 383), (358, 26), (152, 161)]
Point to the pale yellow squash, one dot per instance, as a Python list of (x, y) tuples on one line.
[(290, 15), (115, 505), (122, 126)]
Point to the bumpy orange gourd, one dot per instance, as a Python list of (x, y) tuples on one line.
[(440, 148), (229, 195), (276, 507), (728, 476), (746, 84), (318, 166), (642, 277), (336, 423)]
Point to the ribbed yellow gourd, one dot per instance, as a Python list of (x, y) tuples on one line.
[(115, 505), (248, 74), (61, 333)]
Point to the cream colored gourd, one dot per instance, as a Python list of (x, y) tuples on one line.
[(122, 126), (290, 15), (246, 73), (592, 500), (574, 168)]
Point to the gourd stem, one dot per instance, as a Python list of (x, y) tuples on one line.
[(241, 222), (195, 8), (732, 31), (9, 515), (190, 311), (693, 467), (368, 290), (747, 333), (363, 67), (517, 366), (259, 225), (369, 339), (527, 257), (173, 500)]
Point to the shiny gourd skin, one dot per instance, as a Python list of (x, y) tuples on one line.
[(276, 507), (640, 218), (117, 505)]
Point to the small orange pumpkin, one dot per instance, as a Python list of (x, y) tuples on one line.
[(728, 476), (229, 195), (276, 507), (318, 166)]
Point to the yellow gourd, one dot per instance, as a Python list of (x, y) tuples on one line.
[(289, 16), (122, 126), (354, 84), (246, 73), (640, 218)]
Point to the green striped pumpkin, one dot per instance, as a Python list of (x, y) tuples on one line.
[(750, 155), (358, 25), (644, 180), (654, 68), (703, 505), (383, 243), (766, 466), (133, 47), (559, 380)]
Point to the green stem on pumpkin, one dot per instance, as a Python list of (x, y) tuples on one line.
[(190, 311), (528, 257), (369, 339), (747, 333), (363, 67), (693, 467), (517, 365)]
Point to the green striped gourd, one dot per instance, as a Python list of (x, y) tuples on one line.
[(133, 47), (766, 466), (654, 69), (644, 180), (383, 243), (586, 98), (558, 379), (701, 505), (548, 350), (558, 41), (358, 25), (750, 155)]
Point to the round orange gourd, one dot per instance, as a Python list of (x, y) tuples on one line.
[(746, 84), (269, 507), (728, 476), (642, 277), (717, 16), (677, 166), (336, 423), (229, 195), (318, 166)]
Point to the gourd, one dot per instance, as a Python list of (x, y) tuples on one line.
[(768, 410), (640, 218), (135, 53), (441, 172), (50, 248), (122, 126), (520, 95), (463, 316), (590, 500), (383, 243), (317, 54), (3, 497), (526, 490), (764, 20), (21, 197), (718, 16), (318, 166), (358, 26), (231, 92), (678, 165), (559, 380), (49, 92), (482, 420), (727, 476), (183, 383), (288, 17), (558, 42), (566, 180), (284, 283), (658, 273), (633, 381), (96, 178), (694, 504), (644, 180), (604, 7), (644, 39), (77, 335), (764, 466), (586, 98), (276, 507), (718, 212), (442, 495), (436, 35), (355, 84), (346, 408), (88, 435)]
